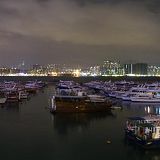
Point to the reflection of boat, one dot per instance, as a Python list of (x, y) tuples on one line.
[(78, 121), (139, 104), (144, 107), (144, 131), (13, 107)]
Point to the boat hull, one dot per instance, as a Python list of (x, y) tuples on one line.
[(146, 100), (145, 144), (81, 107)]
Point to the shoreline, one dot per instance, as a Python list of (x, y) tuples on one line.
[(52, 79)]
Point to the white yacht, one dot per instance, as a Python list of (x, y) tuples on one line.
[(133, 92), (150, 97)]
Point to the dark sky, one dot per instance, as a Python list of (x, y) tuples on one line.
[(79, 31)]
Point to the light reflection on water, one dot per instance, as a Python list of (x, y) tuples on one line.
[(149, 108), (29, 131)]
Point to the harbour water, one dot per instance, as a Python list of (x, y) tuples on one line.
[(29, 131)]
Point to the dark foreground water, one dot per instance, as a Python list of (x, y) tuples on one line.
[(28, 132)]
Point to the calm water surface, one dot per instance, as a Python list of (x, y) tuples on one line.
[(28, 131)]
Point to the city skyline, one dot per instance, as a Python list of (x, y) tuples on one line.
[(79, 31), (24, 65), (107, 68)]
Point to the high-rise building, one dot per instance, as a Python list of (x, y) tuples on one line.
[(128, 69), (140, 69), (112, 68), (136, 69), (95, 71), (153, 70)]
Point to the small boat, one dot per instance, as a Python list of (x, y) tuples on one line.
[(31, 87), (13, 96), (144, 131), (23, 95)]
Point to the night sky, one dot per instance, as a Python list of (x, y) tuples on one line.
[(79, 31)]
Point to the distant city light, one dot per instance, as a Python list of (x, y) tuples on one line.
[(107, 68)]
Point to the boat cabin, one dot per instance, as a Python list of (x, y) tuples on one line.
[(144, 131)]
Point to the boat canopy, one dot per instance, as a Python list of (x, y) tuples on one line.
[(150, 118), (145, 125), (136, 118)]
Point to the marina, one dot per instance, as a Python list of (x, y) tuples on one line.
[(29, 127), (79, 80)]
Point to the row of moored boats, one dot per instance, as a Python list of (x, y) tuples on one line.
[(16, 91), (70, 96), (129, 91)]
